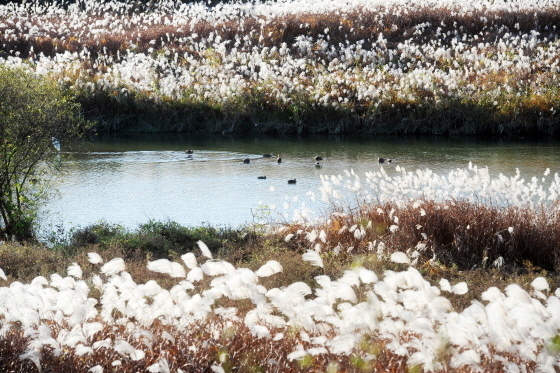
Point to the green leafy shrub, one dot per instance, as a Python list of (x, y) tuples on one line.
[(36, 116)]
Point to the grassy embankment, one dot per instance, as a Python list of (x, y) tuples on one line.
[(385, 69), (454, 241)]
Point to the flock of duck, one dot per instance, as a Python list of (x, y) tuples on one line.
[(279, 160), (317, 159)]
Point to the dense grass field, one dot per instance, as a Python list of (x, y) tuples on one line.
[(473, 67), (417, 272)]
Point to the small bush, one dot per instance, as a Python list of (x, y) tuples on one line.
[(24, 262), (164, 239)]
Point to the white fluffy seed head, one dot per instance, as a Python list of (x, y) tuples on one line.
[(113, 267), (400, 257), (190, 260), (75, 271), (195, 275), (95, 258), (313, 257), (173, 269), (270, 268), (217, 268), (205, 250), (540, 284)]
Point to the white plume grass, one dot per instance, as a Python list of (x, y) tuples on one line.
[(195, 275), (217, 268), (460, 288), (366, 276), (400, 257), (75, 270), (113, 267), (34, 357), (297, 355), (124, 348), (82, 350), (204, 249), (269, 268), (40, 281), (445, 285), (97, 282), (334, 320), (540, 284), (162, 366), (95, 258), (172, 269), (190, 260), (342, 344), (104, 343), (313, 257)]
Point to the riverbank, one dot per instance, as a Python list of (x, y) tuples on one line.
[(413, 271), (159, 297), (486, 68)]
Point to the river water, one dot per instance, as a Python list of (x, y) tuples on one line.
[(132, 179)]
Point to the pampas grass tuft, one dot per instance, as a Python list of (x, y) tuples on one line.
[(165, 266), (313, 257), (95, 258), (204, 249), (75, 271), (113, 267), (270, 268)]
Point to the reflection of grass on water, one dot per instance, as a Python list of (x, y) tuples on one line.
[(400, 283)]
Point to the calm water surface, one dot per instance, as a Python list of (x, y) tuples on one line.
[(131, 179)]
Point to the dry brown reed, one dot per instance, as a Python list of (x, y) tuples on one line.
[(231, 345), (24, 262), (195, 349), (458, 233), (344, 27), (522, 113)]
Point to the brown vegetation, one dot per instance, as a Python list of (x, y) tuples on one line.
[(348, 27), (459, 234), (521, 113)]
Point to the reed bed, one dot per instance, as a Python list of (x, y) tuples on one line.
[(385, 285), (357, 323), (467, 218), (472, 67)]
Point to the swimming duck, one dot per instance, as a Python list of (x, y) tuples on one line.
[(318, 158), (246, 160), (261, 177), (292, 181), (268, 155), (189, 152)]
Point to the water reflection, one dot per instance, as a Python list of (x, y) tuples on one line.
[(131, 179)]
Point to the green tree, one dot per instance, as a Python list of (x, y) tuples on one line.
[(35, 117)]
